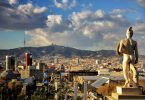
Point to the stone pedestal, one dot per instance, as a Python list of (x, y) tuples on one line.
[(128, 91), (122, 93)]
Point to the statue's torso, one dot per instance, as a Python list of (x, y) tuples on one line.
[(129, 46)]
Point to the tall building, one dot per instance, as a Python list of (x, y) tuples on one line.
[(98, 62), (40, 66), (10, 62), (78, 61), (56, 60), (28, 60)]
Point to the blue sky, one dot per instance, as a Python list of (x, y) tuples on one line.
[(83, 24)]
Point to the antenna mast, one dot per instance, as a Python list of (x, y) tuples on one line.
[(24, 41)]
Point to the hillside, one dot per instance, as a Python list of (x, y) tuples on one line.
[(54, 50)]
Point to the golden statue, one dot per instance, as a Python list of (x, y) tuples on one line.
[(128, 49)]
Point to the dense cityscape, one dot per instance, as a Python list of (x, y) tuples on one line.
[(62, 78)]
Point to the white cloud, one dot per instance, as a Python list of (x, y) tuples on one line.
[(65, 4), (23, 17), (38, 10), (52, 19), (13, 1), (96, 22), (99, 13), (30, 9), (84, 30), (40, 35), (26, 8)]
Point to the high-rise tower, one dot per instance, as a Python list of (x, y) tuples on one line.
[(28, 60), (10, 62)]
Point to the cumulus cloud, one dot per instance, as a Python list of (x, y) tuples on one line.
[(92, 23), (93, 30), (141, 2), (65, 4), (40, 35), (13, 1), (83, 30), (30, 9), (23, 17), (52, 19), (38, 10)]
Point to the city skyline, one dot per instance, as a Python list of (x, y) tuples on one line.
[(82, 24)]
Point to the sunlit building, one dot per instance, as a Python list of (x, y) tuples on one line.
[(10, 62), (28, 60)]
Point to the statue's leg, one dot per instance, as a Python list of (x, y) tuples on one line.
[(126, 73), (135, 79)]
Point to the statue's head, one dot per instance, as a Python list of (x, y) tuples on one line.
[(129, 32)]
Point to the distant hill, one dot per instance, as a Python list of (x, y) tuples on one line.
[(54, 50)]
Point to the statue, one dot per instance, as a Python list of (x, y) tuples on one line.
[(128, 49)]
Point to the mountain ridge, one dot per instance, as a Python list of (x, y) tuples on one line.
[(54, 50)]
